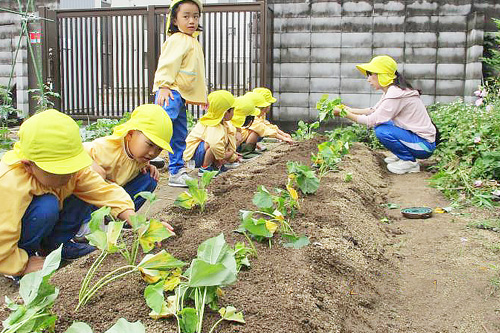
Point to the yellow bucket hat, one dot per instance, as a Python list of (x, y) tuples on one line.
[(384, 66), (169, 16), (258, 99), (52, 141), (243, 107), (152, 121), (268, 95), (219, 102)]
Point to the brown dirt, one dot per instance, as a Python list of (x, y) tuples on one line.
[(358, 275)]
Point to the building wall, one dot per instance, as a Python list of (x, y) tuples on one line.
[(437, 44)]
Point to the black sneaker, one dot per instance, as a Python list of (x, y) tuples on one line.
[(73, 250), (158, 162)]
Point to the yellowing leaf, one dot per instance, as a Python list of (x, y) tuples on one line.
[(271, 226), (156, 232), (219, 292), (293, 192), (185, 200), (168, 309), (150, 275)]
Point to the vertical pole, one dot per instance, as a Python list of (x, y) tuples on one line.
[(152, 61)]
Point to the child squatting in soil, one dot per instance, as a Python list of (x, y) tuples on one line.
[(180, 79), (124, 157), (260, 127), (244, 115), (211, 143), (45, 167), (400, 118)]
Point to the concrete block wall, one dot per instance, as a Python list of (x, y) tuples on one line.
[(437, 44)]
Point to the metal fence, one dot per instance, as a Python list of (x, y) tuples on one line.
[(102, 61)]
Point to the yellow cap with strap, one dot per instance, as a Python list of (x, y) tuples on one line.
[(384, 66), (152, 121), (219, 102), (52, 141), (268, 95), (258, 99), (169, 16), (243, 107)]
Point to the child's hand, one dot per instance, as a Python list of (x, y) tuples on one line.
[(34, 264), (204, 107), (168, 226), (153, 171), (163, 96)]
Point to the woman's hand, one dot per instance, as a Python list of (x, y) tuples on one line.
[(164, 95)]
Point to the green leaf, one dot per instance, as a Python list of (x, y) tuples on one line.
[(199, 196), (79, 327), (204, 274), (257, 227), (160, 261), (150, 197), (188, 320), (185, 200), (122, 325), (296, 242), (215, 250), (138, 220), (262, 198), (97, 218), (229, 313), (156, 232), (112, 235), (308, 185), (154, 296), (207, 177), (98, 239)]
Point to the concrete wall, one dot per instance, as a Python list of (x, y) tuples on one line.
[(437, 44)]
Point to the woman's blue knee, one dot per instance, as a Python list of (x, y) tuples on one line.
[(382, 131)]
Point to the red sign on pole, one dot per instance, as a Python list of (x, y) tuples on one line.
[(35, 37)]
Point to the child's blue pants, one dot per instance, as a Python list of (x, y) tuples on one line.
[(44, 226), (176, 110), (405, 144)]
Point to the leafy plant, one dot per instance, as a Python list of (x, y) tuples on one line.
[(101, 127), (38, 296), (326, 107), (214, 267), (122, 325), (305, 131), (303, 176), (330, 153), (197, 194), (355, 133), (348, 177), (241, 254), (146, 234), (44, 96), (492, 43)]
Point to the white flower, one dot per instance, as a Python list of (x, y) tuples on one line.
[(477, 139), (489, 108), (478, 183), (479, 102)]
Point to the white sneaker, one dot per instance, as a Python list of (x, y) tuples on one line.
[(260, 147), (401, 167), (233, 165), (179, 179), (391, 159)]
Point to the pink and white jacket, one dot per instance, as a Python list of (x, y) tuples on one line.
[(405, 109)]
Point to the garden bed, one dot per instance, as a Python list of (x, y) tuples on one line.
[(332, 285)]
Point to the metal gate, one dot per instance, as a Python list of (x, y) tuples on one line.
[(102, 61)]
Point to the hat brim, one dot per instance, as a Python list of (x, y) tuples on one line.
[(68, 165), (160, 143), (238, 121), (255, 112), (273, 100)]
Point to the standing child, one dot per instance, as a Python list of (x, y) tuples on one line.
[(124, 157), (46, 166), (211, 143), (180, 79), (400, 118)]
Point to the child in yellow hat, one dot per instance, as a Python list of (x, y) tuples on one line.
[(400, 118), (180, 78), (211, 143), (46, 166), (124, 157), (259, 128)]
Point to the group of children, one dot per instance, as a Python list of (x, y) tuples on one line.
[(51, 182)]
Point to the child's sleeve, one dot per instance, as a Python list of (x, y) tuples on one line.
[(169, 63), (14, 201), (259, 127), (91, 188)]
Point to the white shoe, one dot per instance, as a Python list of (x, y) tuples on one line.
[(260, 147), (179, 179), (233, 165), (391, 159), (401, 167)]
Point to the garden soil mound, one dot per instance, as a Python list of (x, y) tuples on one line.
[(336, 284)]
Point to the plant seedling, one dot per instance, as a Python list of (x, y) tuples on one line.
[(38, 296), (196, 193), (329, 155), (305, 131), (327, 106), (303, 176), (122, 325)]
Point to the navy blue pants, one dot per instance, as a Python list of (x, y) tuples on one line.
[(405, 144), (45, 227), (176, 110)]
